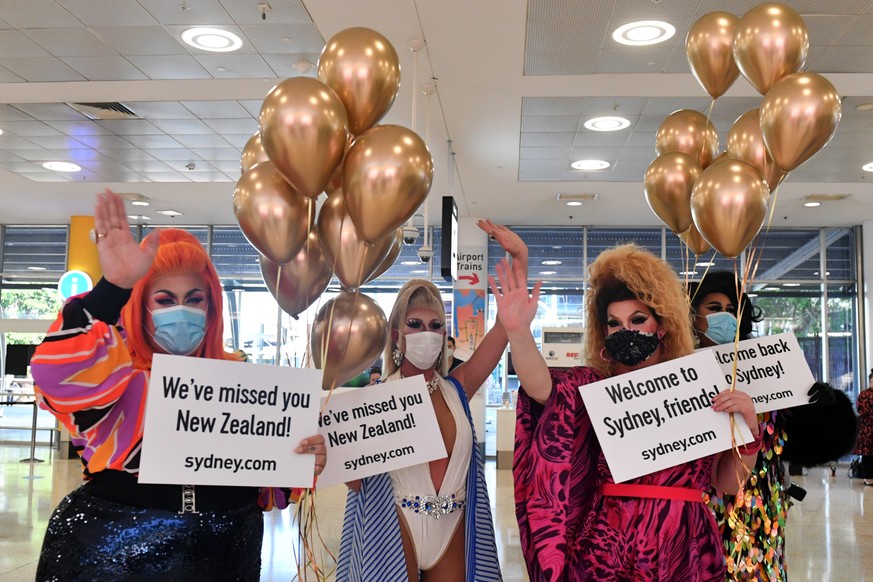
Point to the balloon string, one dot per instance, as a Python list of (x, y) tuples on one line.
[(278, 318), (709, 111)]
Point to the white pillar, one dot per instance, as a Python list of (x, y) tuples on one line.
[(864, 292)]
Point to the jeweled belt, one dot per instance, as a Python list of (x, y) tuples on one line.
[(434, 506)]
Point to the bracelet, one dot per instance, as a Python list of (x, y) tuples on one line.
[(753, 447)]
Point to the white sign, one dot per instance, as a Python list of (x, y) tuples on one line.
[(471, 268), (378, 428), (661, 416), (216, 422), (770, 369)]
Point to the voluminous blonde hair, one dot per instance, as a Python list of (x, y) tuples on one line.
[(653, 282), (415, 293)]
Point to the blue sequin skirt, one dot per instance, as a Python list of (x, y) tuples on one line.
[(95, 539)]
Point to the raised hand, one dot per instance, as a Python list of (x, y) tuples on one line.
[(510, 242), (122, 260), (738, 402), (516, 308)]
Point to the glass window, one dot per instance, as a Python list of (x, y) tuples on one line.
[(601, 239), (843, 339), (840, 255)]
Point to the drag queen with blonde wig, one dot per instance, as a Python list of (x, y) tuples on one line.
[(575, 522)]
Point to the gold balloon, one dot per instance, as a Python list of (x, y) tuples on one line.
[(728, 205), (709, 48), (689, 132), (770, 42), (304, 131), (301, 281), (253, 153), (364, 70), (273, 217), (692, 239), (668, 182), (393, 253), (387, 174), (745, 142), (799, 116), (348, 334), (722, 156), (353, 260)]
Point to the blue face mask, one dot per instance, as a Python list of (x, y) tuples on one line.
[(179, 330), (721, 327)]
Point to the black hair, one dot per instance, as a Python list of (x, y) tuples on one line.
[(725, 282), (612, 292), (450, 339), (376, 370)]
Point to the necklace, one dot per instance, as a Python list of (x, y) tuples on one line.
[(432, 385)]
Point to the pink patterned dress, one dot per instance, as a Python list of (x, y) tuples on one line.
[(570, 532)]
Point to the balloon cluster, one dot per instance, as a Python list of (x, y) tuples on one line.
[(320, 135), (719, 201)]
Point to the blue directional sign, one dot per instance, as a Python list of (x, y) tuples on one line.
[(73, 283)]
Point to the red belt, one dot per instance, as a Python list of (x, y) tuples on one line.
[(651, 492)]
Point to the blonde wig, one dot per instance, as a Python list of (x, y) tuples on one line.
[(415, 293), (653, 282)]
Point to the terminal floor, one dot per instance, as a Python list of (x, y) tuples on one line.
[(830, 534)]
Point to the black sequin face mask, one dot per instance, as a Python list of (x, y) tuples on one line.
[(631, 347)]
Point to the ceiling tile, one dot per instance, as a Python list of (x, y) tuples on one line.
[(552, 106), (284, 64), (169, 67), (105, 68), (536, 153), (550, 123), (172, 155), (29, 128), (95, 13), (858, 33), (150, 142), (575, 34), (222, 126), (213, 176), (226, 66), (57, 142), (218, 154), (842, 60), (530, 139), (197, 12), (283, 11), (586, 138), (238, 141), (130, 127), (210, 140), (632, 60), (37, 70), (14, 45), (80, 127), (160, 110), (7, 76), (216, 109), (177, 127), (71, 42), (147, 166), (284, 38), (167, 177), (31, 14), (141, 41), (548, 9), (560, 61)]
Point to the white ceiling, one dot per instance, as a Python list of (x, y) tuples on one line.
[(515, 79)]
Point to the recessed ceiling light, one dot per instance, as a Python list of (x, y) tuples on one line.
[(812, 204), (867, 167), (409, 263), (419, 271), (140, 203), (772, 289), (574, 203), (169, 212), (550, 263), (607, 123), (212, 39), (643, 33), (36, 268), (1, 132), (826, 273), (62, 167), (707, 264), (589, 165), (864, 107), (688, 273), (547, 272), (138, 217), (791, 284), (751, 295)]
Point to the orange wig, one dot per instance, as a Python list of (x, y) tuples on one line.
[(178, 253)]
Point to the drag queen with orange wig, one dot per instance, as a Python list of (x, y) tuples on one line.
[(92, 372)]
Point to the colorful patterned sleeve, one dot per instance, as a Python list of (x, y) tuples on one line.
[(83, 375)]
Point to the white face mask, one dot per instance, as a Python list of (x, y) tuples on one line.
[(423, 348), (450, 352)]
